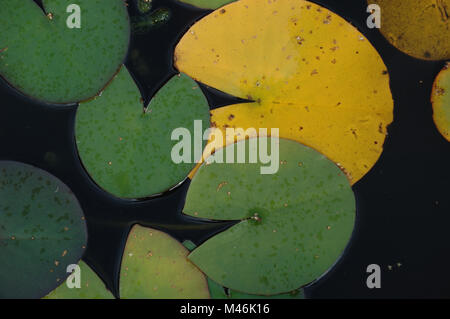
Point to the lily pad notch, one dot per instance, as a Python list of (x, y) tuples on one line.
[(126, 148)]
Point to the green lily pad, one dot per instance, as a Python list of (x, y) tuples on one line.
[(294, 224), (127, 149), (46, 60), (218, 292), (92, 287), (207, 4), (155, 266), (42, 231)]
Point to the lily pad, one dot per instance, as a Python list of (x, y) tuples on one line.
[(42, 231), (309, 72), (207, 4), (418, 28), (294, 224), (126, 148), (440, 99), (218, 292), (155, 266), (92, 287), (46, 60)]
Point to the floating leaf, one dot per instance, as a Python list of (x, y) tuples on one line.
[(207, 4), (294, 224), (127, 149), (218, 292), (92, 287), (154, 265), (418, 28), (309, 72), (42, 231), (45, 59), (440, 99)]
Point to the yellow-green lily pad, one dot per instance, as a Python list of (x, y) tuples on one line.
[(126, 148), (91, 287), (155, 266)]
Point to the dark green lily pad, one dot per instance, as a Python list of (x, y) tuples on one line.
[(218, 292), (46, 60), (42, 231), (208, 4), (126, 149), (92, 287), (155, 266), (294, 224)]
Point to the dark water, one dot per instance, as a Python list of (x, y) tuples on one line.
[(403, 203)]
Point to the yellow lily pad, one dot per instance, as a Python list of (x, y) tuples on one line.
[(440, 99), (308, 72), (418, 28)]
